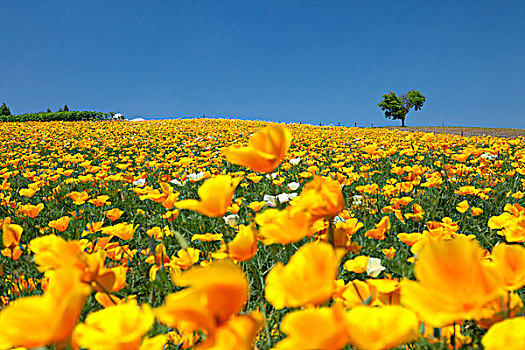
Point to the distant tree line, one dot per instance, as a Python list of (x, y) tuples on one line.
[(63, 114)]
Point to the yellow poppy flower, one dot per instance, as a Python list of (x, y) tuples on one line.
[(373, 328), (116, 327), (283, 226), (315, 328), (462, 207), (508, 334), (357, 264)]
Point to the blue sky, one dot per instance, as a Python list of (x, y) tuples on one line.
[(309, 61)]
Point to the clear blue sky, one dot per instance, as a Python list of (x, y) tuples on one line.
[(309, 61)]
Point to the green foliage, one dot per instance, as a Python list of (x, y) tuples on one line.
[(4, 110), (397, 107), (65, 109), (72, 116)]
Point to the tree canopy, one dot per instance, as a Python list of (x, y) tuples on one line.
[(4, 110), (397, 107)]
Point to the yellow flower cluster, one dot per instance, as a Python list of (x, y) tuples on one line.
[(224, 234)]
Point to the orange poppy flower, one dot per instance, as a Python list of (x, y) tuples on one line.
[(38, 321), (171, 215), (60, 224), (53, 252), (453, 284), (215, 293), (265, 149), (186, 258), (123, 230), (31, 211), (390, 253), (11, 233), (244, 246), (308, 278), (78, 198), (475, 211), (505, 305), (322, 197), (358, 292), (509, 262), (215, 196), (14, 253), (381, 228), (238, 333), (27, 192), (114, 214), (100, 201), (315, 328), (207, 237)]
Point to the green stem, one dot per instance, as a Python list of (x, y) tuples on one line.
[(331, 238)]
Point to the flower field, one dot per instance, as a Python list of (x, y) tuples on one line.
[(228, 234)]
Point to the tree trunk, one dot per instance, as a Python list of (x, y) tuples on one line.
[(403, 119)]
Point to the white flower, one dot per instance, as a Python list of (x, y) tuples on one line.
[(270, 201), (295, 161), (489, 156), (292, 186), (338, 219), (357, 200), (139, 182), (271, 176), (292, 195), (196, 177), (374, 267), (178, 183), (231, 220), (283, 197)]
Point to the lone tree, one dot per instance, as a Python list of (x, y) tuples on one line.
[(397, 107), (4, 110)]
